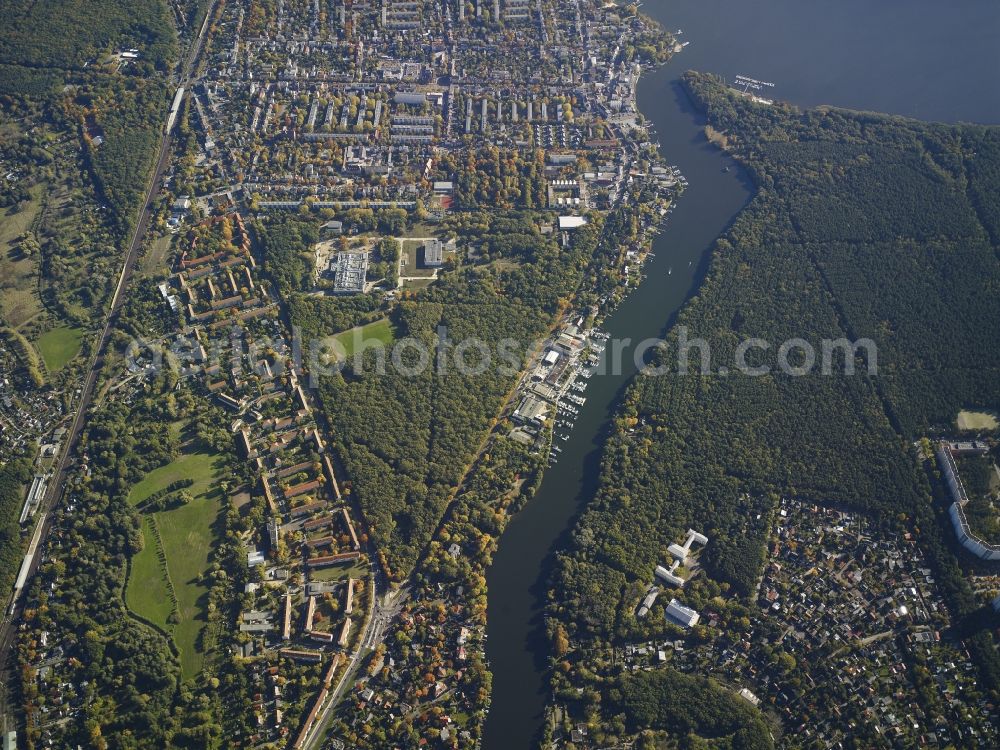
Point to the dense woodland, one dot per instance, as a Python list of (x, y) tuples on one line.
[(861, 226), (61, 55), (130, 113), (59, 34), (287, 249), (407, 438), (15, 474), (692, 707)]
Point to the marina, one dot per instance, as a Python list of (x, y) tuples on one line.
[(882, 66)]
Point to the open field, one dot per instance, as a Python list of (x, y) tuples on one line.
[(340, 572), (18, 275), (977, 420), (155, 259), (200, 467), (186, 538), (148, 592), (378, 331), (59, 346), (414, 284), (420, 229)]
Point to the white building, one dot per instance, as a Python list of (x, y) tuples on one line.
[(669, 576), (678, 614), (946, 462), (571, 222), (648, 601), (255, 557)]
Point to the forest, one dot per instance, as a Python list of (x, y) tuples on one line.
[(407, 439), (861, 226), (62, 55), (686, 705), (15, 474), (57, 34), (287, 249)]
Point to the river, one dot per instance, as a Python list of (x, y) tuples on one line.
[(931, 60)]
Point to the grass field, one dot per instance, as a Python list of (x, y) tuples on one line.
[(59, 346), (155, 259), (420, 229), (977, 420), (18, 276), (340, 572), (378, 331), (201, 467), (414, 284), (187, 534), (148, 592)]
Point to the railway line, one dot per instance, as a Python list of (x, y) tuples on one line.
[(8, 628)]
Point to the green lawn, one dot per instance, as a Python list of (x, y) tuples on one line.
[(59, 346), (147, 592), (341, 572), (188, 537), (201, 467), (977, 420), (378, 331), (417, 283), (187, 533)]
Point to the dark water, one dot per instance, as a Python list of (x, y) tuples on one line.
[(932, 60)]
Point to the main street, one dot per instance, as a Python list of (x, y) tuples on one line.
[(185, 76)]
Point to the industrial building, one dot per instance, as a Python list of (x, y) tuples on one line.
[(349, 269)]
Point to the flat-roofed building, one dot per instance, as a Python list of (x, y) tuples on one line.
[(349, 597), (349, 270), (531, 410), (669, 576), (648, 601), (433, 252)]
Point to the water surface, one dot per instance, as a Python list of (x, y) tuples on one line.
[(931, 60)]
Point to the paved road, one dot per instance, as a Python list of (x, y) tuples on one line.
[(8, 628), (379, 617)]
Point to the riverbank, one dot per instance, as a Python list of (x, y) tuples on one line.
[(517, 582)]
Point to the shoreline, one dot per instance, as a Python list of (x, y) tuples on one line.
[(597, 434)]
